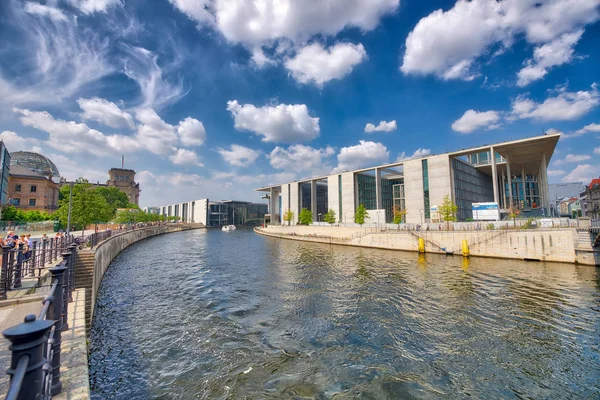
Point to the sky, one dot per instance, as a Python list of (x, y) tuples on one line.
[(214, 98)]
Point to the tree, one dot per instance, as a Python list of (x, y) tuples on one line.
[(513, 213), (305, 217), (288, 216), (88, 206), (448, 210), (114, 197), (361, 214), (399, 215), (329, 217)]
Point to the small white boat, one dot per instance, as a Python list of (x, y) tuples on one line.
[(228, 228)]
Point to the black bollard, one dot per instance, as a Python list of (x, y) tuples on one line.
[(29, 340), (56, 313)]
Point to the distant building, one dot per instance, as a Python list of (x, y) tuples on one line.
[(559, 191), (33, 182), (217, 213), (4, 173), (152, 210), (124, 180), (591, 199)]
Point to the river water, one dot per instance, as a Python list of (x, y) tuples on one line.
[(210, 314)]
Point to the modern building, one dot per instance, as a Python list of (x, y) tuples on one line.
[(4, 173), (590, 206), (33, 182), (217, 213), (510, 174), (152, 210)]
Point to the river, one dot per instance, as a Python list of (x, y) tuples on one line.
[(210, 314)]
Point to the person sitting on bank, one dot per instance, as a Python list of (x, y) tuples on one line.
[(45, 238)]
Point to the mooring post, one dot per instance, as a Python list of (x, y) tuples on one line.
[(28, 341)]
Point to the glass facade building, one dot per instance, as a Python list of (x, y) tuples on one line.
[(5, 173)]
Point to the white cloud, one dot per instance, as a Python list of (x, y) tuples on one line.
[(361, 155), (558, 52), (45, 11), (572, 158), (555, 172), (185, 157), (564, 106), (70, 168), (191, 132), (155, 134), (14, 142), (239, 156), (285, 123), (315, 64), (597, 150), (105, 112), (262, 22), (449, 43), (473, 120), (92, 6), (590, 128), (419, 153), (581, 173), (383, 126), (299, 157)]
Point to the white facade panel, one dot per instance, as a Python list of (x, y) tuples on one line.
[(333, 195), (348, 197), (413, 188), (295, 200), (285, 200), (440, 184)]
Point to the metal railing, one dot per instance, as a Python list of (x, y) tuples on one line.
[(19, 263), (36, 343)]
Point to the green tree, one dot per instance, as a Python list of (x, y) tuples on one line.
[(114, 197), (329, 217), (288, 216), (448, 210), (88, 206), (399, 215), (361, 214), (513, 213), (305, 217), (9, 213)]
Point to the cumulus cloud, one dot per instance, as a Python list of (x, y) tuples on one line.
[(449, 43), (559, 51), (581, 173), (299, 157), (239, 156), (14, 142), (419, 153), (572, 158), (257, 23), (92, 6), (473, 120), (364, 154), (185, 157), (191, 132), (590, 128), (284, 123), (555, 172), (105, 112), (565, 106), (383, 126), (315, 64)]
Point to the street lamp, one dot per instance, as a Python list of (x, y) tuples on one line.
[(70, 206), (319, 217)]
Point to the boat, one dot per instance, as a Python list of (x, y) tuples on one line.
[(228, 228)]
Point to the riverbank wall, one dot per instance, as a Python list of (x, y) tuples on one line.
[(558, 245)]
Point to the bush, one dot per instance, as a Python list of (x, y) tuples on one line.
[(491, 227), (305, 217)]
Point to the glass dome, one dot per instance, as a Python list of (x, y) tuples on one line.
[(35, 162)]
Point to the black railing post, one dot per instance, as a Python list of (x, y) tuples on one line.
[(28, 340), (33, 251), (72, 261), (66, 255), (57, 314), (51, 250), (19, 267), (4, 282), (43, 261)]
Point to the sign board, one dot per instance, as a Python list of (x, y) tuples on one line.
[(434, 216), (546, 223), (486, 211), (375, 216)]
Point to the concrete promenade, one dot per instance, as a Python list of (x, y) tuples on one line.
[(558, 245)]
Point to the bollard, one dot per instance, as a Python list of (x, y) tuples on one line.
[(421, 245), (28, 340), (4, 274), (465, 248), (57, 314), (19, 267)]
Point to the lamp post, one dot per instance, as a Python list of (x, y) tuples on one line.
[(319, 218), (70, 206)]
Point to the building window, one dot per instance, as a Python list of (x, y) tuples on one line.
[(33, 189), (16, 202), (426, 188), (32, 202), (17, 188)]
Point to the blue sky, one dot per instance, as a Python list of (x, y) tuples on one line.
[(213, 98)]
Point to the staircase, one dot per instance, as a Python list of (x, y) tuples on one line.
[(584, 239), (84, 278)]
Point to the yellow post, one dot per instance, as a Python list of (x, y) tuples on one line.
[(421, 245), (465, 248)]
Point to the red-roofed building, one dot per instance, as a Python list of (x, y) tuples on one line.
[(591, 199)]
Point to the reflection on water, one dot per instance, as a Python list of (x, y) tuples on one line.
[(210, 314)]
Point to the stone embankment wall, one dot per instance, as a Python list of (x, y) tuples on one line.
[(560, 245)]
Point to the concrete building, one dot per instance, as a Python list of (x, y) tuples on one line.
[(558, 191), (217, 213), (32, 182), (152, 210), (509, 174), (591, 199), (4, 173), (124, 180)]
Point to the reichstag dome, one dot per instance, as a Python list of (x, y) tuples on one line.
[(35, 162)]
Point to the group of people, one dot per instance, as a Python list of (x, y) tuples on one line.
[(14, 241)]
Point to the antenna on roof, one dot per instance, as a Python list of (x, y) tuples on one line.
[(123, 161)]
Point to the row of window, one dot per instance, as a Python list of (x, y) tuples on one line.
[(32, 188), (122, 178), (17, 202)]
